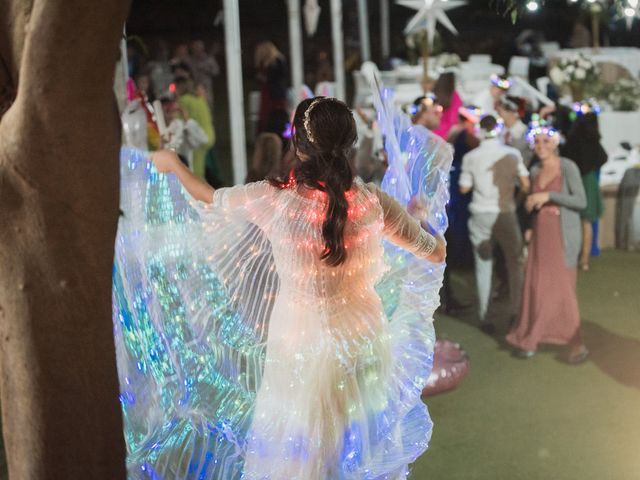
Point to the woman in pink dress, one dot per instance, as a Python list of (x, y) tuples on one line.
[(446, 95), (549, 312)]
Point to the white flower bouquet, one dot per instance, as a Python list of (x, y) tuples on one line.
[(624, 95), (574, 69), (577, 72)]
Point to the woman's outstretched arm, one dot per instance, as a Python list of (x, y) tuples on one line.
[(406, 232), (167, 161)]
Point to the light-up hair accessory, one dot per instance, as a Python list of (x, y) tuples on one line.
[(495, 131), (307, 120), (539, 126), (471, 113), (579, 109), (425, 101), (501, 83)]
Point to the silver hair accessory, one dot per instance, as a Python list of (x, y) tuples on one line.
[(307, 120)]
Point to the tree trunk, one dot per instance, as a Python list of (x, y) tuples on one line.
[(59, 140)]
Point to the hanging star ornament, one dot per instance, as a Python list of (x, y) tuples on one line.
[(311, 15), (430, 13)]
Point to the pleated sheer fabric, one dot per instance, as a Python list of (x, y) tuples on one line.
[(242, 355)]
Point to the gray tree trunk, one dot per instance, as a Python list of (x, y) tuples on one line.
[(59, 140)]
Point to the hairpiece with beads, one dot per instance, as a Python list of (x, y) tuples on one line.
[(307, 120)]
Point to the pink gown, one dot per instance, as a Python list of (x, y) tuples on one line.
[(449, 116), (549, 311)]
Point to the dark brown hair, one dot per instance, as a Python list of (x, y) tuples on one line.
[(267, 157), (444, 88), (326, 166)]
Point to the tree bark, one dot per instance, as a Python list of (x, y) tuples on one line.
[(59, 142)]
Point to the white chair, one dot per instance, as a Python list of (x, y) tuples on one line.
[(325, 89), (479, 58), (519, 66)]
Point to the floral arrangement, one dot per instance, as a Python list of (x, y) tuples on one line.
[(578, 73), (577, 69), (623, 96)]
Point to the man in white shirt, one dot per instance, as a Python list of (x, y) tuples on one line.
[(492, 172), (486, 100), (515, 130)]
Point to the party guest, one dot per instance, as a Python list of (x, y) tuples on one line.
[(549, 312), (492, 172), (267, 157), (272, 74), (487, 99), (196, 108), (426, 111), (445, 92), (583, 147), (514, 133), (463, 137)]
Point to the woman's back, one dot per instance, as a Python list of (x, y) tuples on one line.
[(297, 242)]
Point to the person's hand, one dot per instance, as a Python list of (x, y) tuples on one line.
[(528, 233), (363, 115), (165, 160), (417, 209), (183, 113), (536, 201), (547, 110)]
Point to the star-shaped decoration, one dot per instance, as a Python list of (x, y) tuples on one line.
[(311, 15), (430, 13)]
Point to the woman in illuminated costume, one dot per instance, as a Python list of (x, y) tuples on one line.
[(265, 331)]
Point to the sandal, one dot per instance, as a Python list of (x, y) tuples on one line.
[(524, 354), (580, 357)]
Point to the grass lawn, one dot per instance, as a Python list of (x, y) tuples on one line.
[(540, 419)]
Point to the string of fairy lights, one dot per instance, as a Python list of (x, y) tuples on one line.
[(622, 8)]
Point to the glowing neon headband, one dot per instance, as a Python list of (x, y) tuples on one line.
[(495, 131), (471, 113), (501, 83), (539, 127), (428, 100), (582, 108)]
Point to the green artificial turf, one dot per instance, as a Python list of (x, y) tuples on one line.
[(541, 419)]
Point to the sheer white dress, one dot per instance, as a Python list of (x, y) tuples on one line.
[(328, 371), (242, 355)]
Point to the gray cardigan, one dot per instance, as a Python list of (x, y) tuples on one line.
[(571, 200)]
